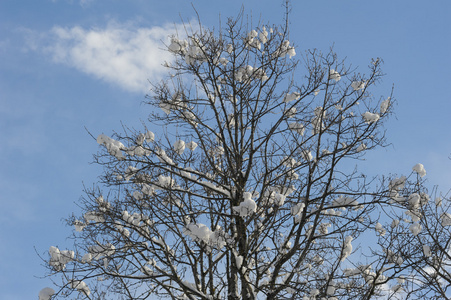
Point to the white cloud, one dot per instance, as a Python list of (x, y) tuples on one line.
[(82, 3), (119, 53)]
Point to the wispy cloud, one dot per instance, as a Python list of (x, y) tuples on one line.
[(82, 3), (120, 54)]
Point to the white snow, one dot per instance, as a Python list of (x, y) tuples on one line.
[(290, 162), (347, 248), (177, 45), (358, 85), (307, 155), (330, 290), (279, 199), (334, 75), (380, 229), (140, 139), (319, 112), (263, 36), (223, 61), (146, 270), (290, 112), (394, 223), (349, 272), (361, 147), (137, 195), (397, 183), (190, 117), (344, 201), (314, 293), (438, 201), (415, 228), (239, 261), (385, 105), (94, 216), (297, 127), (370, 117), (415, 215), (191, 145), (79, 225), (285, 49), (393, 258), (163, 157), (195, 52), (81, 286), (291, 97), (414, 200), (291, 52), (133, 219), (198, 232), (130, 172), (150, 136), (445, 219), (46, 293), (419, 169), (179, 147), (247, 207), (317, 125), (229, 48), (87, 258), (427, 251), (113, 147), (99, 251), (59, 258)]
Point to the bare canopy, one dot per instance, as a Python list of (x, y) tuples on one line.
[(248, 190)]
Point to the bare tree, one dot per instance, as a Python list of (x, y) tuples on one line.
[(250, 190)]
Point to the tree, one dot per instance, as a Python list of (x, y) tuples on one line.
[(248, 191)]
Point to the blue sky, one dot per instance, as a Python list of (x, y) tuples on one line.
[(60, 72)]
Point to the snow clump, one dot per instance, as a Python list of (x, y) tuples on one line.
[(397, 183), (200, 232), (334, 75), (445, 219), (370, 117), (113, 147), (358, 85), (177, 45), (179, 147), (79, 225), (384, 105), (247, 207), (291, 97), (380, 229), (419, 169), (347, 248), (263, 36), (191, 145), (81, 286), (59, 258), (307, 155), (415, 229), (46, 293), (344, 201), (99, 251), (361, 148), (166, 181), (297, 127), (285, 49), (94, 216), (296, 211)]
